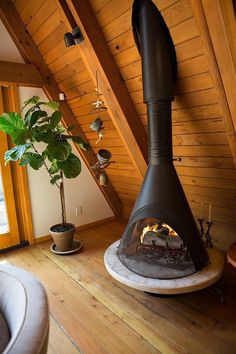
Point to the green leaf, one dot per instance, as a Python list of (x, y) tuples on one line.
[(51, 104), (28, 115), (11, 121), (55, 119), (33, 100), (60, 129), (43, 128), (20, 136), (76, 139), (71, 167), (16, 152), (12, 124), (44, 120), (50, 157), (60, 150), (27, 157), (46, 137), (37, 162), (33, 159), (35, 116), (54, 179), (54, 168), (71, 127), (82, 144), (45, 154)]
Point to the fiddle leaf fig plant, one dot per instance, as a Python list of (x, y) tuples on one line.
[(41, 141)]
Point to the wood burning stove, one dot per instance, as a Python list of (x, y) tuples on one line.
[(161, 239)]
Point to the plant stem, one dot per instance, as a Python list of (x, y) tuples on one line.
[(45, 165), (62, 195), (61, 188)]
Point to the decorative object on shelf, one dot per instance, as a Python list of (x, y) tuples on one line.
[(104, 157), (103, 179), (97, 126), (38, 126), (207, 235), (98, 104), (209, 223), (201, 221), (73, 38)]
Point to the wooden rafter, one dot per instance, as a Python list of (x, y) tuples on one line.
[(31, 54), (222, 72), (20, 73), (98, 58), (222, 48)]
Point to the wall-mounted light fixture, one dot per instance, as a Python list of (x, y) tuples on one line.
[(62, 96), (73, 38)]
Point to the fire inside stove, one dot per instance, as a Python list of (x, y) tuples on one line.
[(155, 250), (162, 242)]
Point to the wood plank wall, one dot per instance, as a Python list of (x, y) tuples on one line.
[(206, 170), (47, 30)]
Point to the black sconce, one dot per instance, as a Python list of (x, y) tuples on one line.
[(73, 38)]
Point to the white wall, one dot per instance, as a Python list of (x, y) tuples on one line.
[(8, 49), (45, 198)]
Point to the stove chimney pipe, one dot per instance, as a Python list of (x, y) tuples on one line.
[(159, 71), (155, 45)]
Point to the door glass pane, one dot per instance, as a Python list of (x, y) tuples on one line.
[(3, 212)]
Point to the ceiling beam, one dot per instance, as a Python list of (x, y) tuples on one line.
[(98, 59), (222, 47), (20, 73), (208, 16), (30, 53)]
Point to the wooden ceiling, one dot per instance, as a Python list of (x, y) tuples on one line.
[(203, 111)]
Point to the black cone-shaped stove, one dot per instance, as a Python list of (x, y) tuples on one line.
[(161, 239)]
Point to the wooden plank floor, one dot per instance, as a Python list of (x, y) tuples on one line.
[(92, 313)]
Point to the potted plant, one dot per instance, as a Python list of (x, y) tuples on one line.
[(41, 141)]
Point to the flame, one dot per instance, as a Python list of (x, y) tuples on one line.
[(154, 228), (171, 231)]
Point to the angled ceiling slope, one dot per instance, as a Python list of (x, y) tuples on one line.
[(203, 135), (31, 54)]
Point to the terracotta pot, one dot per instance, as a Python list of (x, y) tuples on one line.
[(63, 239)]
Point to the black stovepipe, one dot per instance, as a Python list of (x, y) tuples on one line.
[(161, 193), (155, 45), (159, 70), (159, 133)]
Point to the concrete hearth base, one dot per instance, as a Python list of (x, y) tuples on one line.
[(202, 279)]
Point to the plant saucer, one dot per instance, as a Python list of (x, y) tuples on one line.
[(77, 245)]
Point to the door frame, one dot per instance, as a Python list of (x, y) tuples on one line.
[(10, 238), (19, 177)]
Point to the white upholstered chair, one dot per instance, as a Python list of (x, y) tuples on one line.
[(24, 307)]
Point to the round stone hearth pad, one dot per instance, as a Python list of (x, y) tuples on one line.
[(199, 280)]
